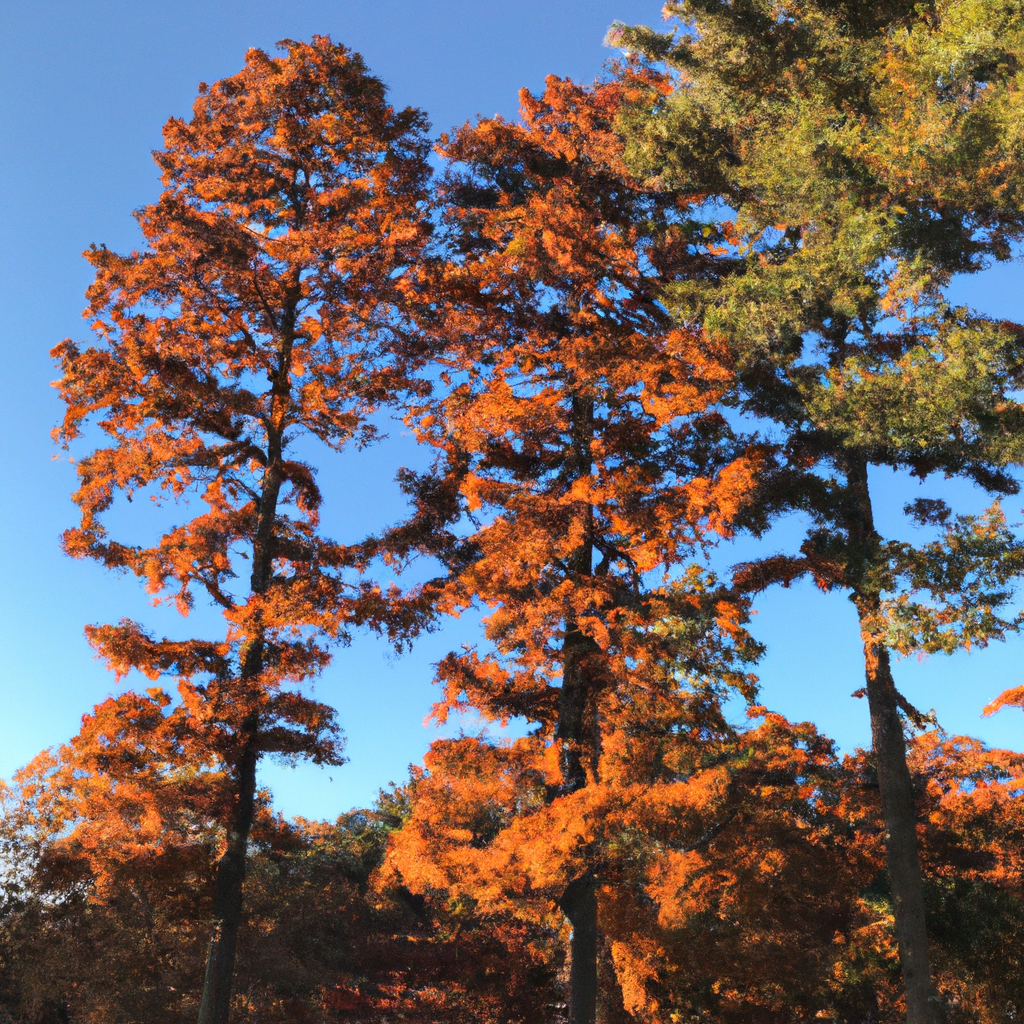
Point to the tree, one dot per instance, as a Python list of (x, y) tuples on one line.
[(701, 840), (108, 849), (740, 872), (865, 152), (116, 835), (269, 304), (577, 450)]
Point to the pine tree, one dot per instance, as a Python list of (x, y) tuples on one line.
[(864, 153), (580, 464), (269, 305)]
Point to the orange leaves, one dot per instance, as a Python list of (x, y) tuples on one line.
[(575, 428), (720, 500), (683, 888), (497, 693), (271, 300), (1014, 697), (742, 843), (483, 825), (127, 646), (128, 788), (574, 413), (150, 778), (268, 303)]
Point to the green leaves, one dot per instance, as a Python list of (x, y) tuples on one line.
[(969, 574)]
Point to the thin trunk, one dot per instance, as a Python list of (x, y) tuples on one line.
[(215, 1007), (579, 904), (227, 900), (578, 732), (900, 816), (577, 711), (889, 747)]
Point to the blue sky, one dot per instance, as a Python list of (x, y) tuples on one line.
[(84, 91)]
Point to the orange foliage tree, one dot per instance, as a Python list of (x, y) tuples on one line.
[(740, 872), (722, 868), (577, 446), (268, 305), (115, 834), (108, 851), (739, 875)]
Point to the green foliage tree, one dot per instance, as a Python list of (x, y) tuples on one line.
[(859, 155)]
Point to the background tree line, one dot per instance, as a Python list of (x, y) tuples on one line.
[(707, 292)]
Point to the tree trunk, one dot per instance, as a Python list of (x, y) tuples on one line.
[(227, 900), (577, 727), (610, 1004), (580, 905), (578, 730), (890, 749), (900, 816)]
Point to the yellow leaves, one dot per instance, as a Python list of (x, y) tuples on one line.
[(908, 287)]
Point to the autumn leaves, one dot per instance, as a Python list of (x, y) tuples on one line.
[(625, 332), (269, 303), (571, 426)]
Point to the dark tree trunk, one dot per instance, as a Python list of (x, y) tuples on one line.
[(227, 900), (577, 725), (55, 1012), (610, 1005), (577, 728), (900, 816), (215, 1007), (578, 731), (890, 750), (580, 906)]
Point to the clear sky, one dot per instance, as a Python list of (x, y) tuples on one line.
[(84, 91)]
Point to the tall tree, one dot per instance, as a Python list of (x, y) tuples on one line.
[(578, 458), (866, 152), (267, 306)]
